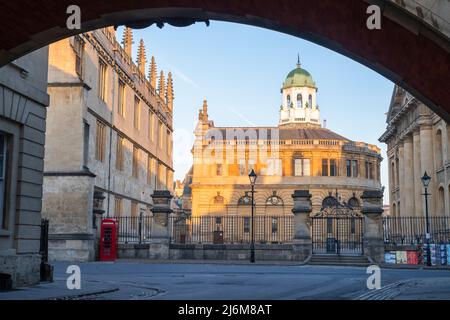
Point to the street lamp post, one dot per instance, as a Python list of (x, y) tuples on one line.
[(426, 181), (252, 176)]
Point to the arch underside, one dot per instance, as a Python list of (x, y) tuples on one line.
[(405, 50)]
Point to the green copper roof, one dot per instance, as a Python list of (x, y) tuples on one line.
[(299, 78)]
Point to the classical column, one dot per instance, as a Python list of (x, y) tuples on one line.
[(302, 234), (401, 182), (373, 225), (427, 164), (418, 198), (408, 170), (391, 174)]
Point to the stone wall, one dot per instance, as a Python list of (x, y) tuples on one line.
[(23, 102), (279, 252)]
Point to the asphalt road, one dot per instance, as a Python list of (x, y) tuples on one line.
[(182, 281)]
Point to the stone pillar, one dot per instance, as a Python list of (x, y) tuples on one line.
[(373, 225), (418, 198), (302, 247), (408, 190), (160, 236), (427, 164), (401, 182)]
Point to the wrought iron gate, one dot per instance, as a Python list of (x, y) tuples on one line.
[(337, 235), (337, 229)]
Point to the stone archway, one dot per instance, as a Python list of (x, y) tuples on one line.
[(329, 23)]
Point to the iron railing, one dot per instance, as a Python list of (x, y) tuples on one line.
[(234, 229), (412, 230), (134, 229), (211, 229)]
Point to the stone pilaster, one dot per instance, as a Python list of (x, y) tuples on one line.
[(408, 179), (418, 198), (373, 225), (401, 178), (302, 233), (427, 164), (160, 236)]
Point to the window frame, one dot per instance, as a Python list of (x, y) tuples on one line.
[(100, 141), (102, 77), (137, 113), (135, 162), (120, 153), (121, 98)]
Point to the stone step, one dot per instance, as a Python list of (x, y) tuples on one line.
[(339, 260)]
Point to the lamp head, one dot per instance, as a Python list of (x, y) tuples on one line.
[(426, 180), (252, 176)]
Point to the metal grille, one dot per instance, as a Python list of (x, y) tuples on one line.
[(412, 230), (337, 235)]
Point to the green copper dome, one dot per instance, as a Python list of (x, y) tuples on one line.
[(299, 78)]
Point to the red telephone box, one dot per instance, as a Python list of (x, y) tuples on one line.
[(108, 240)]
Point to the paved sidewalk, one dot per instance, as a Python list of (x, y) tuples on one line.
[(57, 290)]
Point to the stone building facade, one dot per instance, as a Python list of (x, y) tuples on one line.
[(23, 110), (109, 140), (298, 154), (418, 140)]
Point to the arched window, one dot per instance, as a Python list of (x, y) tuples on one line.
[(353, 202), (288, 100), (394, 183), (299, 101), (439, 153), (245, 200), (310, 101), (441, 202), (329, 202), (394, 210)]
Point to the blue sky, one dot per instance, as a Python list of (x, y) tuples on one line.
[(239, 69)]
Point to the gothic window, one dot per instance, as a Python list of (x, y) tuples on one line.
[(101, 80), (78, 47), (299, 101), (310, 101)]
